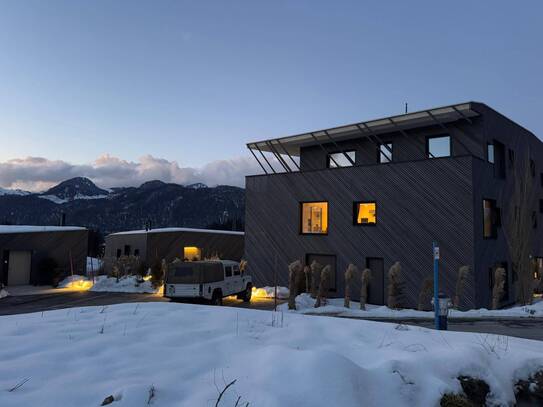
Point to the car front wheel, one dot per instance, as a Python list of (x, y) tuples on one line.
[(247, 293), (217, 298)]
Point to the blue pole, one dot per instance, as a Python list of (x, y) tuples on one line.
[(436, 283)]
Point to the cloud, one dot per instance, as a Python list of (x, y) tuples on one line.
[(38, 173)]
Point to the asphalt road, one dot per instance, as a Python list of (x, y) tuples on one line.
[(522, 328)]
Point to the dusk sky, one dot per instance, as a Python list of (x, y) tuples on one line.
[(127, 91)]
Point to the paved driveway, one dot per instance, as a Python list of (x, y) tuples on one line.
[(522, 328)]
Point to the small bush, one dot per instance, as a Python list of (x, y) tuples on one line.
[(454, 400), (157, 272)]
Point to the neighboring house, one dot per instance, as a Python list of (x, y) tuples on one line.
[(171, 243), (28, 252), (382, 191)]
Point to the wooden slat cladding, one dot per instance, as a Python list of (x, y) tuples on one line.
[(417, 202), (57, 245)]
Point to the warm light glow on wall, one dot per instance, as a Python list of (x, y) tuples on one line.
[(192, 253), (315, 217), (366, 213)]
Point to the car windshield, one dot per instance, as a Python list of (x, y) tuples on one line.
[(195, 273)]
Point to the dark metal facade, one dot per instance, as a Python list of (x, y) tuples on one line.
[(156, 244), (419, 200), (57, 245)]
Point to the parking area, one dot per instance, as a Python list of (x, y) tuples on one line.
[(50, 300), (529, 328)]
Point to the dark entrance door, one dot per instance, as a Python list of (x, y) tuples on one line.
[(325, 259), (377, 285)]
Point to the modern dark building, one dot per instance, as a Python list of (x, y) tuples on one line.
[(373, 193), (30, 254), (172, 243)]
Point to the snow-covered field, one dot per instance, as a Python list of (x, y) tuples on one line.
[(189, 353), (306, 305)]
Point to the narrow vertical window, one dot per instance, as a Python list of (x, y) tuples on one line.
[(511, 158), (532, 167), (365, 213), (314, 218), (491, 219), (490, 153), (385, 153)]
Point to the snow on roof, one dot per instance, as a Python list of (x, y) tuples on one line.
[(37, 229), (188, 230)]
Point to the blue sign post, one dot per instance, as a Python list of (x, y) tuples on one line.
[(436, 284)]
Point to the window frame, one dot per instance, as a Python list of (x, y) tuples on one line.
[(228, 272), (355, 213), (495, 219), (428, 138), (491, 147), (301, 217), (329, 161), (379, 153)]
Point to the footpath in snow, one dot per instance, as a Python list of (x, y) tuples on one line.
[(306, 305), (168, 354)]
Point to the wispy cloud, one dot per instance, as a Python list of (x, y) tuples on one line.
[(38, 173)]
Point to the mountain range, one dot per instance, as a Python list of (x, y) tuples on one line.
[(156, 203)]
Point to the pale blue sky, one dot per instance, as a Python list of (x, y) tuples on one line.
[(193, 81)]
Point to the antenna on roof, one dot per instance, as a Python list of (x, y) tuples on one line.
[(405, 107)]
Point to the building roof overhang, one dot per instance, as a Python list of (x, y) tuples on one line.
[(291, 144)]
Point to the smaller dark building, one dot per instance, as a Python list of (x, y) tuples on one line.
[(38, 254), (172, 243)]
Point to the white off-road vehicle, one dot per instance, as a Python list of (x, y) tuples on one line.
[(210, 280)]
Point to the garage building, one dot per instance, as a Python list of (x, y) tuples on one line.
[(26, 251), (172, 243)]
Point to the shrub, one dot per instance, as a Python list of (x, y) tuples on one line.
[(498, 290), (316, 269), (157, 275), (395, 286), (425, 296), (48, 272), (349, 275), (324, 287), (463, 275), (366, 279), (294, 269)]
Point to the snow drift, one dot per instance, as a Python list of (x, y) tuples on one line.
[(188, 353)]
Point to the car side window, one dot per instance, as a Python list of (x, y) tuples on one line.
[(228, 271), (236, 271)]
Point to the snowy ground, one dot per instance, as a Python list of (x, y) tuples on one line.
[(127, 284), (188, 353), (306, 305)]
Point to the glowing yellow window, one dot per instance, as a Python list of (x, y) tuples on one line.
[(365, 213), (192, 253), (315, 218)]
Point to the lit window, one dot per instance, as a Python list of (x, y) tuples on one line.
[(491, 219), (192, 253), (314, 218), (490, 153), (365, 213), (438, 147), (385, 153), (340, 160)]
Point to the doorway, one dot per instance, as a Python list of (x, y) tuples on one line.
[(19, 267), (377, 284)]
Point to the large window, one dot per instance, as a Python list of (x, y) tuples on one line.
[(340, 160), (365, 213), (314, 218), (491, 219), (385, 153), (438, 147), (192, 253)]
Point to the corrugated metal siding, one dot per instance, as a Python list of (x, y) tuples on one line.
[(417, 202)]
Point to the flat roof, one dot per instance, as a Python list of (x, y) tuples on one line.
[(185, 230), (291, 144), (37, 229)]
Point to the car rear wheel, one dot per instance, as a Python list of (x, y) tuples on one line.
[(217, 298), (246, 297)]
